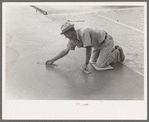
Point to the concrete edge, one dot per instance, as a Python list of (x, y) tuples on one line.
[(133, 70), (42, 11)]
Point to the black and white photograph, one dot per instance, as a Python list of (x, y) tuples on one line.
[(74, 57)]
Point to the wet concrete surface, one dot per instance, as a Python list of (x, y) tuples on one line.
[(38, 39), (33, 81)]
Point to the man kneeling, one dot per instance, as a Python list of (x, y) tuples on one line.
[(104, 51)]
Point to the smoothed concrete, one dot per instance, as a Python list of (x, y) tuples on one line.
[(37, 38), (33, 81)]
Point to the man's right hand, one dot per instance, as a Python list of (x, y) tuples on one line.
[(60, 55), (49, 62)]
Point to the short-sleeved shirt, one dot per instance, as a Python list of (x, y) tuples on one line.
[(87, 37)]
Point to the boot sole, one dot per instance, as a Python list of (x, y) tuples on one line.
[(122, 56)]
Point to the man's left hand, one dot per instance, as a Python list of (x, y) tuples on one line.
[(85, 67)]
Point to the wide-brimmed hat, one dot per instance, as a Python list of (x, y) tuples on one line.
[(66, 26)]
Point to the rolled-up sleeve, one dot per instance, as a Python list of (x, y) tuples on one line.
[(86, 38), (71, 45)]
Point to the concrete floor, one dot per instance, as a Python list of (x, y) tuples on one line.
[(66, 82), (37, 39)]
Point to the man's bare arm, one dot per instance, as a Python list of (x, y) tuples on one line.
[(88, 54), (60, 55)]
